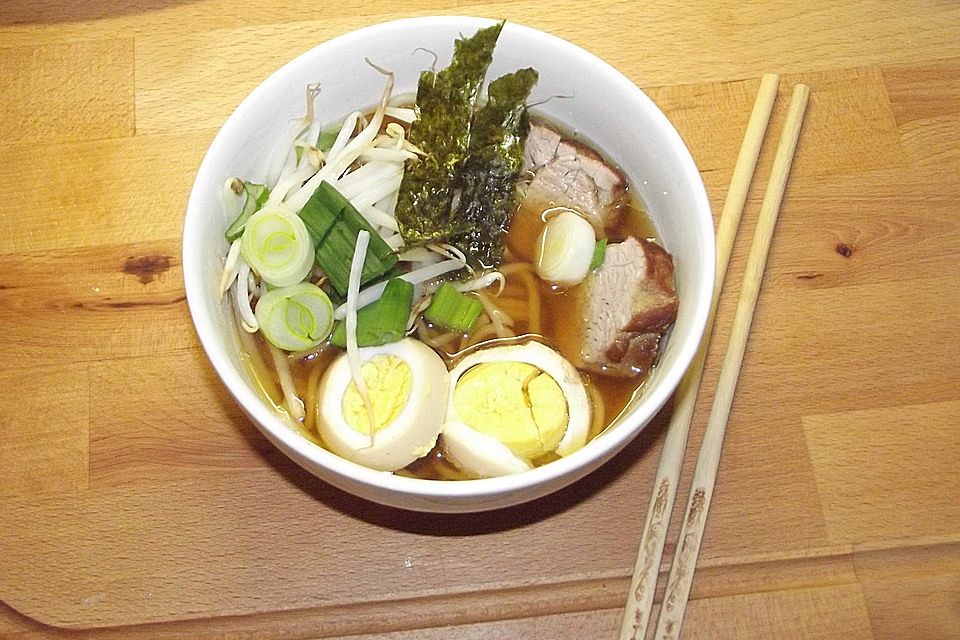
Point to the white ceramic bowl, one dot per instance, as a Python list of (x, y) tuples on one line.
[(606, 109)]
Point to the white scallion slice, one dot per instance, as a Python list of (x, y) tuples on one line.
[(564, 251), (277, 246), (295, 318)]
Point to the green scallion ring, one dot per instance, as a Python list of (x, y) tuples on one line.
[(295, 318), (276, 244)]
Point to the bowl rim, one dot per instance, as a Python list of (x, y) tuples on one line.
[(600, 448)]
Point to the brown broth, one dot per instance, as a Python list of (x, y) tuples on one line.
[(560, 305), (556, 309)]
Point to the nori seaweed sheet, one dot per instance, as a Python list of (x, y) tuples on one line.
[(445, 104), (487, 182), (464, 191)]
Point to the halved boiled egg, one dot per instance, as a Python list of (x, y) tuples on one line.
[(510, 405), (407, 386)]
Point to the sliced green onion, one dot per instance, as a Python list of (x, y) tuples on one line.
[(334, 253), (295, 318), (326, 138), (598, 252), (277, 245), (257, 194), (417, 276), (453, 310), (334, 224), (382, 321), (319, 217)]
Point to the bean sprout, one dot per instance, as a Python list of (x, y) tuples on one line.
[(353, 355), (292, 401), (242, 299)]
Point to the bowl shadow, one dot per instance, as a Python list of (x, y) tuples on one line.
[(457, 524)]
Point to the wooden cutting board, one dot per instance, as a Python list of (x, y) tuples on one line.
[(137, 500)]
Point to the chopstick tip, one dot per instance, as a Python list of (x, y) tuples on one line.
[(800, 96)]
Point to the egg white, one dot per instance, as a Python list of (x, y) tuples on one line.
[(484, 455), (479, 454), (407, 437)]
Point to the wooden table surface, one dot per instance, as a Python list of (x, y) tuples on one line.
[(136, 501)]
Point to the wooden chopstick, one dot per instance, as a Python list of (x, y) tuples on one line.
[(704, 477), (640, 599)]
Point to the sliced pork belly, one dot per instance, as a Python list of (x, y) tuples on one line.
[(569, 174), (541, 146), (626, 306)]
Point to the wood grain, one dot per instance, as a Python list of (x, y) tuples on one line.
[(41, 101), (898, 502), (138, 502), (847, 129), (928, 119), (922, 579), (703, 484), (104, 303), (89, 197), (44, 431), (129, 446)]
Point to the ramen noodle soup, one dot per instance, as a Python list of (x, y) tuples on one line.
[(445, 286)]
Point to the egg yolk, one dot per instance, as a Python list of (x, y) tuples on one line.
[(388, 379), (514, 402)]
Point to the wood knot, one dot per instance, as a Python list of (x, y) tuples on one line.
[(146, 268), (844, 249)]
